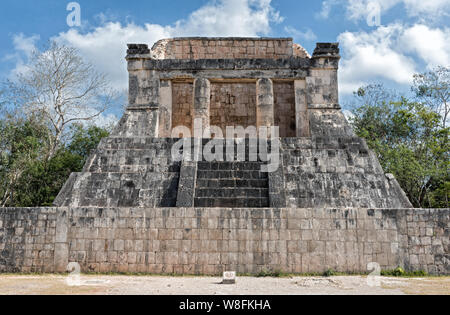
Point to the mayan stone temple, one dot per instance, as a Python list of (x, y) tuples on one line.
[(306, 197)]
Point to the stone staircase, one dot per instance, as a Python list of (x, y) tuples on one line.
[(125, 172), (231, 185)]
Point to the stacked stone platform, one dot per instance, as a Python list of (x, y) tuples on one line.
[(206, 241), (125, 172), (137, 207)]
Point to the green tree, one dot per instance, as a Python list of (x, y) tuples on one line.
[(433, 89), (410, 142), (28, 178), (22, 142), (62, 88), (86, 139)]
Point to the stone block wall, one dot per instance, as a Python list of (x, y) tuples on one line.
[(27, 239), (233, 104), (337, 172), (125, 172), (313, 172), (225, 48), (183, 104), (284, 108), (293, 89), (209, 241)]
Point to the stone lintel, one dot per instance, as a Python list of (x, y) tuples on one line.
[(226, 64), (143, 107), (324, 106), (233, 75)]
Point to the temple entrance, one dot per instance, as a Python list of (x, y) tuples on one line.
[(233, 104)]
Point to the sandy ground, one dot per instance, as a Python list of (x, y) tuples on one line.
[(143, 285)]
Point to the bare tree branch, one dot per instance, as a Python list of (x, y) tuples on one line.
[(61, 88)]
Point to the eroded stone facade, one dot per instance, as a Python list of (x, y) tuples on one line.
[(220, 82), (210, 241), (134, 208), (233, 102), (224, 48)]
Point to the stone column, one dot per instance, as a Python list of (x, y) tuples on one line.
[(265, 116), (165, 109), (324, 111), (322, 82), (142, 115), (301, 109), (202, 102), (144, 84)]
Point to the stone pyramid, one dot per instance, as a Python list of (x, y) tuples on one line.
[(222, 82)]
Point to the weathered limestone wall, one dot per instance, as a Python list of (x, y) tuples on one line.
[(284, 108), (165, 109), (233, 104), (337, 172), (265, 116), (225, 48), (208, 241), (125, 172), (301, 109), (315, 104), (202, 105), (183, 104), (313, 172), (28, 239)]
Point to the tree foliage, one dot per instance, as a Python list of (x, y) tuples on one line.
[(27, 178), (433, 88), (410, 140), (61, 88), (42, 138)]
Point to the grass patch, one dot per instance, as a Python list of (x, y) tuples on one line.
[(400, 272), (270, 274)]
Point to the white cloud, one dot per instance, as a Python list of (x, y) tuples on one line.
[(429, 7), (359, 9), (229, 18), (104, 120), (23, 48), (105, 46), (305, 34), (327, 6), (431, 45), (25, 44), (371, 56), (391, 53)]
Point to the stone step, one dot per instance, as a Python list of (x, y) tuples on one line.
[(231, 185), (127, 169), (226, 166), (249, 175), (231, 203), (232, 193), (238, 183)]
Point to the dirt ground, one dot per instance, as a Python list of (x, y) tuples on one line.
[(146, 285)]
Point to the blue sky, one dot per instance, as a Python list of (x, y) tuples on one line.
[(414, 35)]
